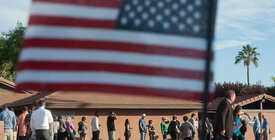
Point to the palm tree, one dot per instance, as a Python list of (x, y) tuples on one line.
[(247, 55)]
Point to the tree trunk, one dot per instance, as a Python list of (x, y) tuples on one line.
[(248, 76)]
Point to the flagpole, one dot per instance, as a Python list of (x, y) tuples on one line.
[(210, 36)]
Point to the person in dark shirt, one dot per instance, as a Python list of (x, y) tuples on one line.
[(174, 128), (111, 125), (151, 130), (224, 119)]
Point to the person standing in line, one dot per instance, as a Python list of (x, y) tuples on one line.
[(266, 129), (21, 123), (111, 125), (151, 130), (9, 119), (164, 127), (142, 127), (192, 120), (82, 128), (186, 129), (208, 130), (28, 121), (174, 128), (128, 128), (257, 128), (95, 126), (15, 129), (243, 129), (70, 129), (55, 128), (224, 120), (238, 135), (236, 114), (62, 128), (41, 122)]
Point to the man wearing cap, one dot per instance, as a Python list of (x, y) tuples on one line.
[(142, 127)]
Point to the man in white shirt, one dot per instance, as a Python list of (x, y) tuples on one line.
[(41, 122), (95, 127)]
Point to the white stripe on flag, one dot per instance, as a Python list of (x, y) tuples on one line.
[(116, 35), (72, 55), (65, 10), (109, 78)]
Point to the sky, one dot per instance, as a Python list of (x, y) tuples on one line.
[(238, 23)]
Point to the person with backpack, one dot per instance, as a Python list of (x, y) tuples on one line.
[(82, 128), (174, 128)]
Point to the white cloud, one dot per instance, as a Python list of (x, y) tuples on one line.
[(244, 21), (12, 11), (222, 44)]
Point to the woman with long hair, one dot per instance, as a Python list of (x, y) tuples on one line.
[(127, 132), (151, 130), (237, 135), (70, 129)]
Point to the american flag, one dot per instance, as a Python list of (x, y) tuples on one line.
[(143, 47)]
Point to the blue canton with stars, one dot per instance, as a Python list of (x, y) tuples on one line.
[(180, 17)]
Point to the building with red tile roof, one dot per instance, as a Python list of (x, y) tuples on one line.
[(254, 105), (78, 104)]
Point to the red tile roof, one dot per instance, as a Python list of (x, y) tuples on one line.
[(241, 100), (7, 82), (95, 100), (12, 85), (7, 95), (105, 100), (7, 99)]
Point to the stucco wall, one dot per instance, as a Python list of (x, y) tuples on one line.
[(270, 116), (132, 115), (1, 129)]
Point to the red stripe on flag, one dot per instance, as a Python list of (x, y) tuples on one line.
[(187, 95), (95, 3), (72, 22), (113, 46), (111, 67)]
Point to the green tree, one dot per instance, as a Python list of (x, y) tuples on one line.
[(247, 55), (10, 44)]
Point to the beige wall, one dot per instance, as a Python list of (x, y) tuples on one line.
[(2, 129), (271, 118), (132, 115)]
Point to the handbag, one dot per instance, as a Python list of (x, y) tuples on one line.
[(127, 133), (177, 129), (74, 132)]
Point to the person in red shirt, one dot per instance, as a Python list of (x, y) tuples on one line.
[(21, 123)]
